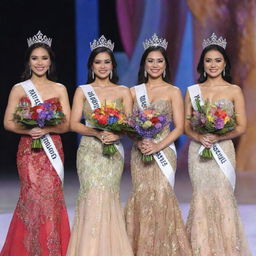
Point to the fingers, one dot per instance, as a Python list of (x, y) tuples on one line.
[(108, 138)]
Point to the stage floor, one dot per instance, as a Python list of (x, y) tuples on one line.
[(245, 194)]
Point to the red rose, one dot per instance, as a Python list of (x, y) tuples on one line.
[(154, 120), (221, 113), (103, 120)]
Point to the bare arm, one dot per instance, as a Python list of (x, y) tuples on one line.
[(188, 112), (241, 120), (15, 95), (127, 101), (76, 115)]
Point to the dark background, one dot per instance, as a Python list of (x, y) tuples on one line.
[(20, 19)]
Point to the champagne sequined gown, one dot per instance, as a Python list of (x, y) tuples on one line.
[(214, 225), (153, 218), (99, 226)]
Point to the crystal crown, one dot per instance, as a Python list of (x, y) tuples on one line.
[(39, 38), (155, 41), (213, 40), (102, 42)]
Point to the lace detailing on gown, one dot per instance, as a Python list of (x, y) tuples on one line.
[(40, 224), (99, 227), (214, 225), (153, 218)]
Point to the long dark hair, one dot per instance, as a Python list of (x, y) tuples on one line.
[(141, 76), (200, 67), (51, 73), (92, 56)]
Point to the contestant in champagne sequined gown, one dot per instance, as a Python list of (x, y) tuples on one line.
[(153, 218), (214, 225), (99, 227)]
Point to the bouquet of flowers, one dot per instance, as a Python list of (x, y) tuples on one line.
[(211, 118), (148, 123), (48, 113), (109, 117)]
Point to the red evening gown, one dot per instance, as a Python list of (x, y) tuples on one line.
[(39, 226)]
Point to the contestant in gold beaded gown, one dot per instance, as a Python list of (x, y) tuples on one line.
[(99, 226), (214, 226), (153, 218)]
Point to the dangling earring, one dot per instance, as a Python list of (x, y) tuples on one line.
[(224, 72), (164, 73), (30, 72), (204, 74), (48, 71), (110, 75), (145, 74), (92, 75)]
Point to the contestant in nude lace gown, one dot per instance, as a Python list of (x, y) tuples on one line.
[(39, 226), (99, 226), (214, 225), (153, 217)]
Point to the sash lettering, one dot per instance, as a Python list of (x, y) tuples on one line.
[(94, 102), (217, 152), (160, 158), (46, 140)]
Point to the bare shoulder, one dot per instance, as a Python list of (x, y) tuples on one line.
[(235, 89), (59, 86), (18, 90), (173, 90), (123, 89)]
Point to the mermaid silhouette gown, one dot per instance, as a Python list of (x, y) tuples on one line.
[(153, 217), (214, 225), (39, 226), (99, 227)]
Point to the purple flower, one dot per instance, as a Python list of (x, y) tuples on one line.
[(158, 125), (219, 123)]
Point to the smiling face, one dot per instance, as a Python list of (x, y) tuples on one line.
[(155, 64), (39, 61), (102, 65), (214, 63)]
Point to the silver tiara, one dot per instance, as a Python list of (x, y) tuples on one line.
[(213, 40), (102, 42), (39, 38), (155, 41)]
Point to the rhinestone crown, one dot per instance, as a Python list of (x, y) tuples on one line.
[(213, 40), (155, 41), (39, 38), (102, 42)]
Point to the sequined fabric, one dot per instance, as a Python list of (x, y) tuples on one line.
[(99, 227), (214, 225), (153, 218), (39, 226)]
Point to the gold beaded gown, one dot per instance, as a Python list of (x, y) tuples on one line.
[(99, 226), (214, 225), (153, 218)]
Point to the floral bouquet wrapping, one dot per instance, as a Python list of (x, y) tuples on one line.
[(148, 123), (48, 113), (108, 117), (211, 118)]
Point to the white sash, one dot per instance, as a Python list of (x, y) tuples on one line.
[(46, 140), (161, 159), (217, 152), (94, 102)]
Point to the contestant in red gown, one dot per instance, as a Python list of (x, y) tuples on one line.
[(39, 226)]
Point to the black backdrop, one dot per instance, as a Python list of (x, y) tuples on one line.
[(20, 19)]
